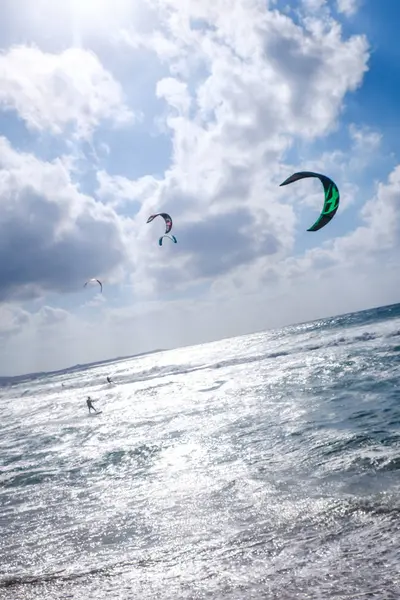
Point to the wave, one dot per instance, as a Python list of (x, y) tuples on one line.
[(173, 370)]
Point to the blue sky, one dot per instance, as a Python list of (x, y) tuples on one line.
[(110, 112)]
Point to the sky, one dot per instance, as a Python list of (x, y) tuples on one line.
[(111, 111)]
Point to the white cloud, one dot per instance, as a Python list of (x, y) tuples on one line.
[(381, 215), (367, 252), (348, 7), (175, 93), (52, 237), (261, 82), (118, 190), (345, 166), (314, 5), (48, 316), (12, 320), (53, 92), (365, 138)]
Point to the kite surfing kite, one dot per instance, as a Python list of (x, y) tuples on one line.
[(332, 197), (170, 237), (168, 226), (167, 219), (94, 281)]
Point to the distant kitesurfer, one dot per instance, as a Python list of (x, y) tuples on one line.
[(89, 402), (109, 379)]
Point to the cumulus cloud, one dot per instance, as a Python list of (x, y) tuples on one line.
[(48, 316), (12, 320), (262, 83), (381, 215), (366, 252), (176, 94), (348, 7), (60, 92), (118, 190), (52, 237), (314, 5), (365, 138)]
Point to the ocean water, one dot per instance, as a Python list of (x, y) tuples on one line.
[(263, 466)]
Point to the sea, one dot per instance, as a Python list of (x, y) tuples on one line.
[(265, 466)]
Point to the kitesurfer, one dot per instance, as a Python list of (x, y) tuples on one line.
[(89, 402), (109, 379)]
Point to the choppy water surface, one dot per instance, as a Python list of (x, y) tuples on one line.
[(265, 466)]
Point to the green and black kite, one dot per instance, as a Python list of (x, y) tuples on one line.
[(332, 197)]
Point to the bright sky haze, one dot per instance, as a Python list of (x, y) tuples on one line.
[(111, 110)]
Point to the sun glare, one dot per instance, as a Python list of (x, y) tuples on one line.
[(73, 21), (95, 11), (100, 16)]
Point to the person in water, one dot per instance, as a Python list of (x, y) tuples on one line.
[(109, 379), (89, 402)]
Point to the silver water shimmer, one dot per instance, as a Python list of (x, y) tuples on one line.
[(264, 466)]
